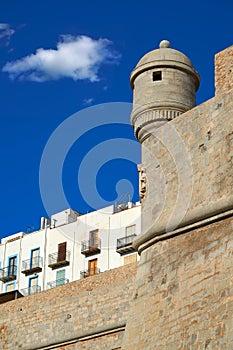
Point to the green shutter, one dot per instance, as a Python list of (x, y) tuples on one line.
[(60, 277)]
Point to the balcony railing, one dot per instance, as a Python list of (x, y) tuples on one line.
[(91, 248), (8, 273), (59, 259), (32, 265), (58, 282), (90, 272), (124, 244), (31, 290)]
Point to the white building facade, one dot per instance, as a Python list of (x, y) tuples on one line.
[(68, 247)]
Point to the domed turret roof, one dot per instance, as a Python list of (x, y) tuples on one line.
[(164, 57), (164, 53)]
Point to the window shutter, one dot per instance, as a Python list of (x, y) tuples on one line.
[(60, 277), (61, 252)]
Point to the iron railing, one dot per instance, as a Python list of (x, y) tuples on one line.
[(31, 290), (59, 259), (32, 265), (8, 273), (58, 282), (90, 272), (89, 247), (125, 241)]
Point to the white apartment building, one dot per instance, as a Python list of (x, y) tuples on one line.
[(67, 247)]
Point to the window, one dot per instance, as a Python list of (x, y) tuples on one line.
[(130, 230), (61, 252), (10, 287), (92, 267), (60, 277), (157, 76), (12, 266), (35, 253), (33, 284), (93, 238)]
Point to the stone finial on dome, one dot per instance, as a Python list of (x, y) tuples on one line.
[(164, 44)]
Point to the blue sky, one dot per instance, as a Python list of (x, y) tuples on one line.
[(59, 57)]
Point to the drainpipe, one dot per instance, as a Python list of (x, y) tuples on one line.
[(73, 258), (20, 261), (45, 253)]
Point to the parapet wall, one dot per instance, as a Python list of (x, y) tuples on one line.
[(85, 314), (224, 70)]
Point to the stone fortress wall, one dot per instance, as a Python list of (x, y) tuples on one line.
[(86, 314), (183, 296)]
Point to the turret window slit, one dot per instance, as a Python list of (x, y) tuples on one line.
[(157, 76)]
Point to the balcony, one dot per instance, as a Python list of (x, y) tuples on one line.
[(59, 259), (124, 244), (58, 282), (32, 265), (8, 273), (90, 272), (30, 290), (8, 296), (89, 248)]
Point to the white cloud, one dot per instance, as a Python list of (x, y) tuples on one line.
[(6, 32), (76, 57)]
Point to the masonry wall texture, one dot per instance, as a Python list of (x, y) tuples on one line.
[(184, 292), (204, 136), (224, 70), (87, 314)]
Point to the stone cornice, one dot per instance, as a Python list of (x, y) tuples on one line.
[(144, 121), (196, 218)]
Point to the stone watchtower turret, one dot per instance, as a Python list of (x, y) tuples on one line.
[(164, 83)]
